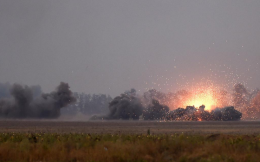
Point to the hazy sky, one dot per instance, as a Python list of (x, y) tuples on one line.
[(109, 46)]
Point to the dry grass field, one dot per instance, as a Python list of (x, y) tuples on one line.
[(131, 127), (119, 141)]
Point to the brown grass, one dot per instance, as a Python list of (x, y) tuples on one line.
[(123, 147), (131, 127), (129, 141)]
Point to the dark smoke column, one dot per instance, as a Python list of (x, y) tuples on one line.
[(126, 106), (23, 104), (50, 104)]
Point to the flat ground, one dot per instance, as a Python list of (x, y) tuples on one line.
[(131, 127)]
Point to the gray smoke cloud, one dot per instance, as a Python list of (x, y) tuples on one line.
[(126, 106), (246, 101), (155, 111), (4, 90), (30, 102)]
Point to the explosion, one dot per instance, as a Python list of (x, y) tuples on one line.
[(209, 95), (203, 97)]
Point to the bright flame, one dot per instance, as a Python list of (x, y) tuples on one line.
[(209, 95), (205, 97)]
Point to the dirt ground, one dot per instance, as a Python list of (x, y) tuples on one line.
[(131, 127)]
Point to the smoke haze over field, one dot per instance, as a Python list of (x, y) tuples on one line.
[(149, 44), (29, 102), (132, 106), (174, 53), (17, 101)]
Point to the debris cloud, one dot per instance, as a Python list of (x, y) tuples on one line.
[(30, 102), (126, 106), (148, 107), (190, 113)]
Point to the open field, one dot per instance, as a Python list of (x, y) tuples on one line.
[(131, 148), (131, 127), (117, 141)]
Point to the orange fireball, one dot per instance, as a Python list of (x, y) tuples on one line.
[(205, 94), (205, 97)]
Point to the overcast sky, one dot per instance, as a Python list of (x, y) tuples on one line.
[(109, 46)]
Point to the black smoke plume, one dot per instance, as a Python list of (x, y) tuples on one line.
[(29, 102), (126, 106), (155, 111)]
